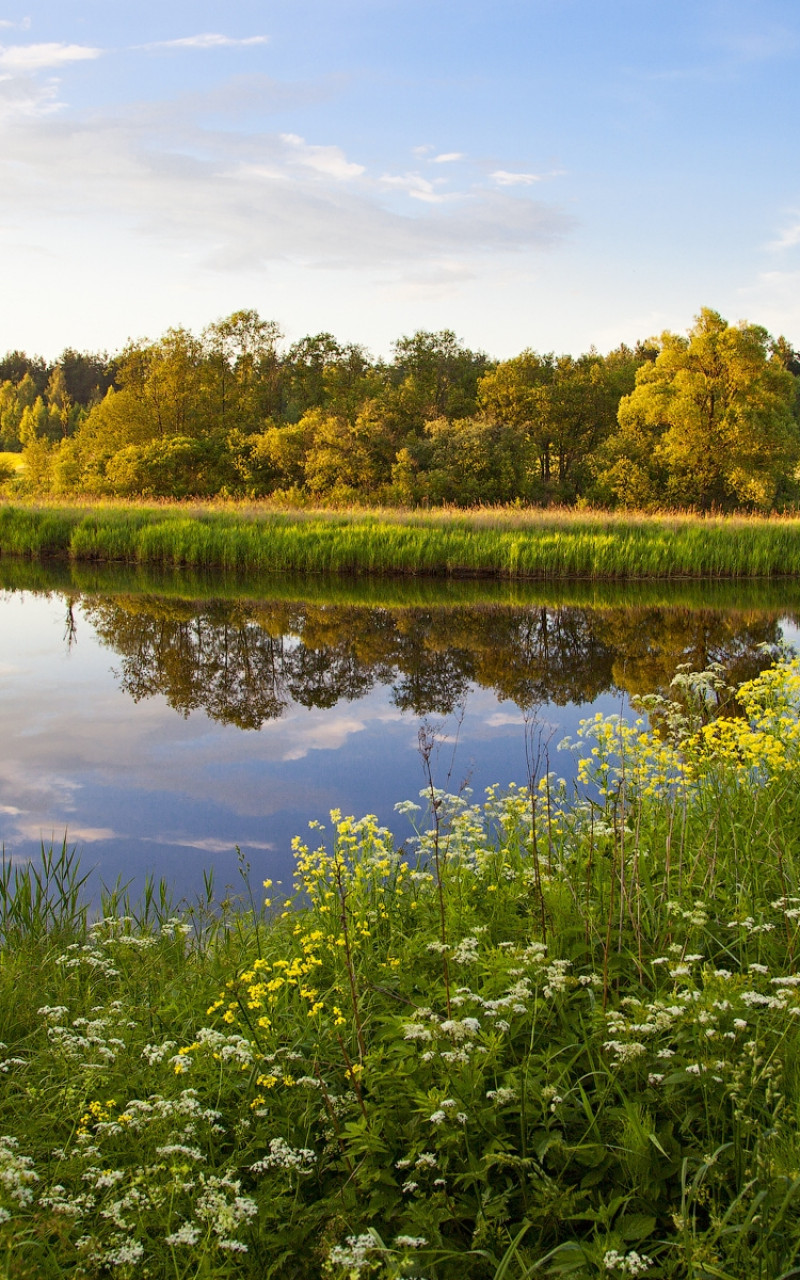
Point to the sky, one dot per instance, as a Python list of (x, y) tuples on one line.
[(552, 174)]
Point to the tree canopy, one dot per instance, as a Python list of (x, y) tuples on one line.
[(707, 420)]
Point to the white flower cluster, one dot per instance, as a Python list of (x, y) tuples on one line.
[(16, 1172), (355, 1254), (221, 1206), (282, 1156), (627, 1264)]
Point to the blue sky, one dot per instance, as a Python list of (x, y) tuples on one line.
[(530, 173)]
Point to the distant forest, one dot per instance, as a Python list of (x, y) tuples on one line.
[(709, 420)]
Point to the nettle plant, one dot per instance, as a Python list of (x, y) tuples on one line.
[(556, 1034)]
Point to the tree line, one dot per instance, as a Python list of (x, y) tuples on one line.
[(709, 420)]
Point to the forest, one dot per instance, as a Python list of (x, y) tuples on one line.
[(708, 421)]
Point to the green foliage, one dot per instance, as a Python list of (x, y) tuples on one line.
[(709, 424), (555, 1035), (504, 544), (705, 421)]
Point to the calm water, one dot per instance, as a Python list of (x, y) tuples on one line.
[(161, 722)]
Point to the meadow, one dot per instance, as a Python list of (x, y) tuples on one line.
[(495, 542), (555, 1034)]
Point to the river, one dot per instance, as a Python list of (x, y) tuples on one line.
[(158, 722)]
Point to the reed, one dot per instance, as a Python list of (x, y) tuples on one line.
[(501, 544)]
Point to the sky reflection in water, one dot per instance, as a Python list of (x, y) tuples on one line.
[(91, 746)]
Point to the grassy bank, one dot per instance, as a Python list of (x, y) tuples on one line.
[(561, 1037), (504, 544)]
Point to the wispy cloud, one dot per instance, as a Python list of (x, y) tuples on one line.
[(9, 24), (447, 157), (207, 40), (788, 238), (505, 178), (239, 198), (329, 161), (414, 185), (23, 59), (208, 844), (500, 719)]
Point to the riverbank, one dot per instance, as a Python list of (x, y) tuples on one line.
[(561, 1037), (503, 543)]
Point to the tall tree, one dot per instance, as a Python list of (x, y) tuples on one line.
[(716, 409), (438, 376), (241, 370)]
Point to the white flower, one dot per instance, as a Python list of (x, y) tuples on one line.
[(627, 1264), (187, 1234), (282, 1156)]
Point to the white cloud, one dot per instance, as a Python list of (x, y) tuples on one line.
[(208, 844), (330, 161), (21, 59), (23, 98), (447, 157), (152, 175), (208, 40), (22, 25), (52, 831), (788, 238), (90, 835), (414, 185), (322, 735), (504, 178)]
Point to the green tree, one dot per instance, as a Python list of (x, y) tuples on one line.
[(435, 376), (165, 380), (15, 398), (241, 372), (469, 461), (711, 418), (347, 456), (60, 403)]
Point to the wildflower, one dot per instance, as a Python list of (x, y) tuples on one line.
[(501, 1096), (354, 1253), (282, 1156), (187, 1234), (16, 1171), (627, 1264)]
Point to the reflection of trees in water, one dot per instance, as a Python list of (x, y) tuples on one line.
[(245, 663)]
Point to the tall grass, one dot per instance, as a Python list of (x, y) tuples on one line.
[(510, 545), (556, 1035)]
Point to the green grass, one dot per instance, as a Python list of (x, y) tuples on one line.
[(559, 1035), (504, 544), (197, 583)]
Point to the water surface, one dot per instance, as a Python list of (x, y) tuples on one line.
[(160, 721)]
